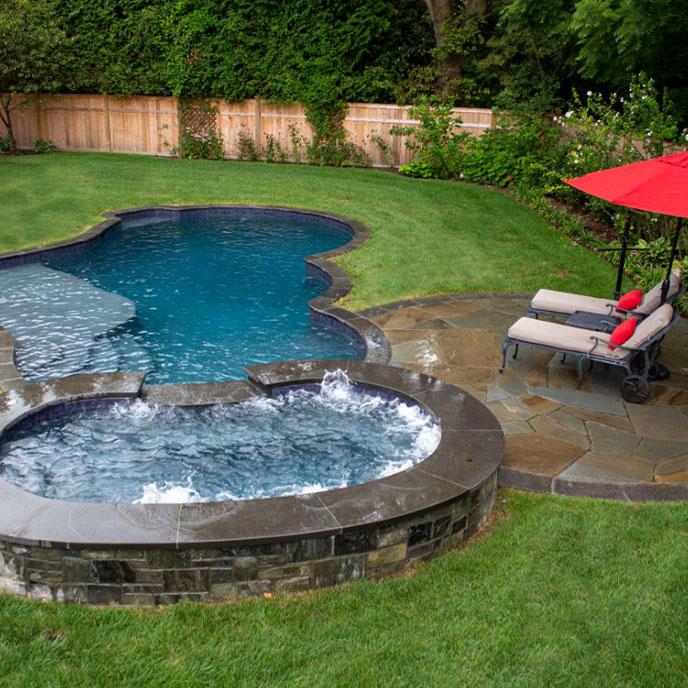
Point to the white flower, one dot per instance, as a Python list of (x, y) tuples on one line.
[(589, 93), (569, 113)]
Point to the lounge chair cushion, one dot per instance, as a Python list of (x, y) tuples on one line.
[(552, 301), (653, 298), (630, 301), (565, 338), (651, 326), (622, 333), (558, 336)]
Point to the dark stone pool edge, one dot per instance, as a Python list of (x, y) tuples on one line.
[(355, 326), (149, 554)]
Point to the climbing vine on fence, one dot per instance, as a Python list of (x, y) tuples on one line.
[(198, 133)]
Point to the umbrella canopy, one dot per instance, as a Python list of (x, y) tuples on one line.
[(659, 186)]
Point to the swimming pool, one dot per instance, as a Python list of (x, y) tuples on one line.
[(188, 296), (123, 490)]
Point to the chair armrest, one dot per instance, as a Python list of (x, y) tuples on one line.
[(597, 339)]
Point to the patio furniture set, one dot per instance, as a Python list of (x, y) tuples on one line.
[(594, 332)]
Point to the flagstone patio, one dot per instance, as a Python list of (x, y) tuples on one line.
[(558, 439)]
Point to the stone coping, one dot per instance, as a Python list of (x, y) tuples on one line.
[(322, 306), (559, 440), (468, 455)]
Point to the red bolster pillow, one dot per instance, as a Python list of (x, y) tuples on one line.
[(622, 333), (630, 301)]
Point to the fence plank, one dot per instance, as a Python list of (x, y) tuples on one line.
[(150, 125)]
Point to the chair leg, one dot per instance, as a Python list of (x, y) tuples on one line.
[(580, 372), (506, 345), (563, 358), (515, 352)]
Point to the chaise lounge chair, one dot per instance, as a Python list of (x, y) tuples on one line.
[(637, 355), (561, 304)]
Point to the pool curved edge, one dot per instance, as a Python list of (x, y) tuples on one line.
[(357, 327), (154, 553)]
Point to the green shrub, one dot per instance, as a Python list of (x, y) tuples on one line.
[(437, 142), (44, 146), (274, 151), (5, 144), (247, 148)]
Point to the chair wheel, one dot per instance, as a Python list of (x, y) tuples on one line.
[(635, 389)]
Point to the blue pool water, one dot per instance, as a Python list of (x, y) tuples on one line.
[(190, 299), (299, 442)]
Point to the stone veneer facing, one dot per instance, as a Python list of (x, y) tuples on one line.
[(145, 576)]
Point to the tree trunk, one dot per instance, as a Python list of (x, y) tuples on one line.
[(6, 118), (441, 13)]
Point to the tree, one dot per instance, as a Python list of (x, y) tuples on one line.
[(457, 35), (532, 52), (618, 38), (31, 49)]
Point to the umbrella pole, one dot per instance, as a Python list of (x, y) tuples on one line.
[(622, 257), (674, 245)]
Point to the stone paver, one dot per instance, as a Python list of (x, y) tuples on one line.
[(536, 453), (615, 468), (555, 434)]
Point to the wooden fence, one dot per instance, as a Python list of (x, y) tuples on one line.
[(150, 125)]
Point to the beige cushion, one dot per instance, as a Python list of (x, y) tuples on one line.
[(558, 336), (649, 327), (653, 298), (563, 302), (566, 338)]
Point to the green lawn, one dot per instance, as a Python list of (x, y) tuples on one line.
[(561, 592), (427, 236)]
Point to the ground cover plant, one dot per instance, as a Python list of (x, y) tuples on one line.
[(427, 236), (559, 592)]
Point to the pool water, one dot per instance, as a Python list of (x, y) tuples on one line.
[(190, 299), (301, 441)]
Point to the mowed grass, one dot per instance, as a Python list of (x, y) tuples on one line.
[(560, 592), (428, 236)]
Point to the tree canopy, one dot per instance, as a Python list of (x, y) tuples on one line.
[(475, 52)]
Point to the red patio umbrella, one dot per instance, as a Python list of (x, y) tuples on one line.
[(659, 185)]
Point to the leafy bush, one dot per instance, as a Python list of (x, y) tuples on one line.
[(274, 151), (514, 152), (44, 146), (498, 157), (437, 142), (246, 147), (5, 144)]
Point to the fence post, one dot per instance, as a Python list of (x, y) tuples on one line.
[(108, 132), (39, 119), (257, 124)]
